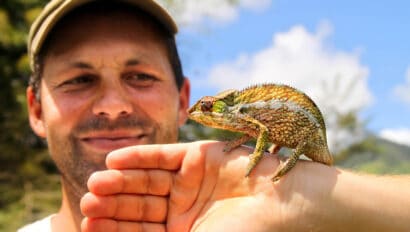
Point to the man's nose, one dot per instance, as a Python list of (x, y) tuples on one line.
[(112, 102)]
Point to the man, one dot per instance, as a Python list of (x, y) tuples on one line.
[(106, 80), (87, 100)]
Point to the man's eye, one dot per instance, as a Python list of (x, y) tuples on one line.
[(78, 83), (140, 79), (84, 79)]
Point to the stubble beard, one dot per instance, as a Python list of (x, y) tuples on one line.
[(76, 165)]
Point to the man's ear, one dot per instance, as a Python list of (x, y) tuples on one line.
[(184, 95), (35, 113)]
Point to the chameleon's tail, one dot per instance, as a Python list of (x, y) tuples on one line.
[(323, 156)]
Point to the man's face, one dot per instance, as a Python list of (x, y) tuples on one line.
[(107, 83)]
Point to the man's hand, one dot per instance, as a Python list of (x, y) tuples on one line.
[(198, 187), (182, 187)]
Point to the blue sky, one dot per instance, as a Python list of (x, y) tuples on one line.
[(365, 42)]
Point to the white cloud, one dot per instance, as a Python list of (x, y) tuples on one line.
[(335, 79), (255, 4), (194, 12), (401, 135), (403, 91), (301, 59)]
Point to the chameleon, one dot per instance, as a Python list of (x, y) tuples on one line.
[(270, 113)]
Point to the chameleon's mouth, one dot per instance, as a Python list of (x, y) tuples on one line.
[(191, 110), (200, 114), (197, 115), (208, 118)]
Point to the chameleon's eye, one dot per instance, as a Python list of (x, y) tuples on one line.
[(206, 105)]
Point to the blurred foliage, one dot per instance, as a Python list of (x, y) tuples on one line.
[(29, 183), (377, 156)]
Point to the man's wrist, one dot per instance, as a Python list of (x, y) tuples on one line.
[(331, 199)]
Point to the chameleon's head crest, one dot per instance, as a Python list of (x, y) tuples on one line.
[(203, 105), (216, 104), (212, 104), (227, 96), (219, 106)]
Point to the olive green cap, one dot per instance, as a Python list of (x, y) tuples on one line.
[(56, 9)]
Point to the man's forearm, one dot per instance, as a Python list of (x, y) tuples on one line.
[(374, 203), (339, 200)]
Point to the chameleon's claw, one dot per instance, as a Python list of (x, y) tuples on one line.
[(230, 145), (253, 161), (248, 172), (250, 166), (278, 174), (286, 166), (275, 178)]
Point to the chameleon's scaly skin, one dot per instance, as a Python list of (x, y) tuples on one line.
[(272, 113)]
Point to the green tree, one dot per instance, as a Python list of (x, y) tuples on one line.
[(23, 156)]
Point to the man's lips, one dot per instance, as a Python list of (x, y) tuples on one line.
[(111, 141)]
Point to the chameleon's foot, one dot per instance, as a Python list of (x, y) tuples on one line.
[(279, 173), (253, 161), (285, 167), (276, 178), (230, 145)]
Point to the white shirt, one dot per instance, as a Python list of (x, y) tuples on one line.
[(42, 225)]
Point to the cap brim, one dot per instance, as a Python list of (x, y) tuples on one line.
[(56, 9)]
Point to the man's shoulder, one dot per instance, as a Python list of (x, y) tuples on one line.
[(43, 225)]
